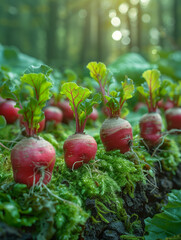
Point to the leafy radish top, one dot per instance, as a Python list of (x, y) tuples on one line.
[(37, 84), (175, 93), (115, 99), (80, 103), (151, 90)]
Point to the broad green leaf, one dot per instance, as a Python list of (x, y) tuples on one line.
[(44, 69), (131, 65), (127, 90), (152, 79), (98, 71), (2, 122), (40, 85), (167, 223), (75, 94)]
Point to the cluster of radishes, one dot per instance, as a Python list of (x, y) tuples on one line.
[(33, 158)]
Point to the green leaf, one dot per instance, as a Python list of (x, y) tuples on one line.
[(70, 75), (75, 94), (98, 71), (131, 65), (2, 122), (44, 69), (127, 90), (167, 223), (143, 90), (152, 79), (86, 107)]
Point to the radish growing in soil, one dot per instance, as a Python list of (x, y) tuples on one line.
[(151, 122), (79, 148), (173, 115), (33, 158), (115, 133)]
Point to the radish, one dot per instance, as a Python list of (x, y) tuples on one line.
[(53, 114), (94, 114), (33, 158), (173, 115), (151, 123), (79, 148), (68, 114), (173, 118), (115, 132), (9, 111)]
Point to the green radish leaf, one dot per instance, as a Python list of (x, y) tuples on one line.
[(2, 122), (75, 94), (86, 107), (150, 89), (41, 86), (98, 71), (152, 79), (126, 91)]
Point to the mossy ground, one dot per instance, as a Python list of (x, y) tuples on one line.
[(103, 180)]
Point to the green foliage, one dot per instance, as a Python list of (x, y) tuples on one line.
[(131, 65), (150, 89), (116, 97), (168, 222), (2, 122), (79, 102), (16, 61)]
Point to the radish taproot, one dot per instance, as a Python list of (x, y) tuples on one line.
[(79, 148), (115, 132), (151, 123), (9, 111), (33, 158)]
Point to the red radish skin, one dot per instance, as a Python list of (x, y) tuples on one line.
[(94, 115), (8, 110), (116, 133), (53, 114), (173, 118), (68, 114), (150, 129), (28, 157), (79, 149)]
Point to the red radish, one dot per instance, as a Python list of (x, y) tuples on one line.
[(151, 123), (8, 110), (115, 133), (173, 115), (173, 118), (53, 114), (94, 114), (150, 128), (166, 105), (31, 159), (2, 99), (79, 149), (68, 114)]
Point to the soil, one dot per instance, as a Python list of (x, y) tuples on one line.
[(147, 201)]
